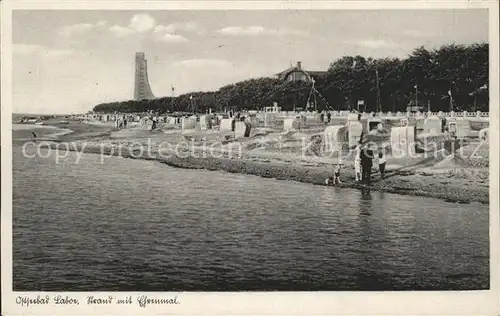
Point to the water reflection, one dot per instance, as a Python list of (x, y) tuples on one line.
[(366, 194), (365, 202)]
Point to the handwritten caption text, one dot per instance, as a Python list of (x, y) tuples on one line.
[(141, 300)]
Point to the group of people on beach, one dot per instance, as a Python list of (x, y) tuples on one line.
[(328, 117), (363, 165), (121, 122)]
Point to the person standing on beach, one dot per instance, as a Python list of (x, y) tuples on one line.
[(153, 126), (357, 162), (381, 164), (366, 164)]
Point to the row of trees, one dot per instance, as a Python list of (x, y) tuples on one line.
[(387, 84)]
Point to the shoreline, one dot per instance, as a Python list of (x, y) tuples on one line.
[(414, 179), (403, 182)]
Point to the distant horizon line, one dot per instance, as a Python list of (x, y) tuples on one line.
[(45, 114)]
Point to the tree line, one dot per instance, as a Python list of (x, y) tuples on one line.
[(424, 77)]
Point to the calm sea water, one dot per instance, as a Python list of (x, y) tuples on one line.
[(23, 132), (129, 225)]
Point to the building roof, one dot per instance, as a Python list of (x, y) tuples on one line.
[(282, 75)]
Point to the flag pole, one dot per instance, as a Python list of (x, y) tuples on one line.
[(416, 95), (451, 101), (379, 107), (173, 96), (353, 66), (314, 96)]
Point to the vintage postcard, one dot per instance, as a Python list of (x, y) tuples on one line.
[(250, 158)]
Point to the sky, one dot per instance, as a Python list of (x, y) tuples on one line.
[(70, 61)]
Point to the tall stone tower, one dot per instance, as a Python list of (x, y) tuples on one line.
[(142, 90)]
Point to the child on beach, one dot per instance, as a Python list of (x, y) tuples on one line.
[(336, 176), (381, 164), (357, 163)]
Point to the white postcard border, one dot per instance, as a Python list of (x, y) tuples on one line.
[(256, 303)]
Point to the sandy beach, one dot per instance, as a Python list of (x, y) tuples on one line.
[(462, 177)]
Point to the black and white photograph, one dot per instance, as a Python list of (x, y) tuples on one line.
[(251, 150)]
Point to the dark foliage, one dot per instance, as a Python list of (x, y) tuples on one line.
[(457, 68)]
